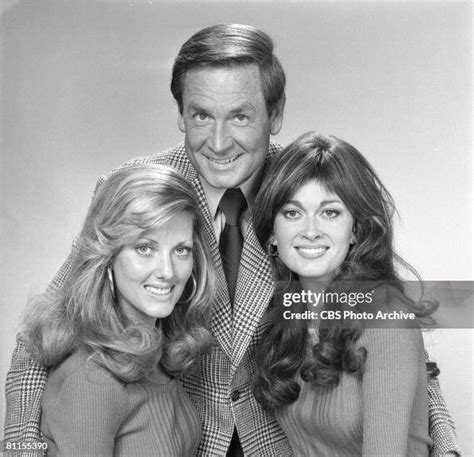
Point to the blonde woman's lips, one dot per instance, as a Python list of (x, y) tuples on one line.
[(160, 291)]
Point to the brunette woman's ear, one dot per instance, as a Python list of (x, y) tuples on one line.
[(353, 238)]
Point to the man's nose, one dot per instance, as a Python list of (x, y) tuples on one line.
[(220, 139)]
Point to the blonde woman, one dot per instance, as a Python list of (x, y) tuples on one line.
[(129, 320)]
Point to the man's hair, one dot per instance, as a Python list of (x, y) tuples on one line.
[(84, 313), (229, 45)]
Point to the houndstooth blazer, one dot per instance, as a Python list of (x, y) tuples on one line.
[(221, 390)]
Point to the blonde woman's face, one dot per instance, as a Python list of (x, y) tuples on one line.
[(150, 274)]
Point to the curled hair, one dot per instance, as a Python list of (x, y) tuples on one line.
[(342, 170), (228, 45), (83, 314)]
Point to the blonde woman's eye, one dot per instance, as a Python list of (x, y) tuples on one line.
[(144, 249), (183, 251)]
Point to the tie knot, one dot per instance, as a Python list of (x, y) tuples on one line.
[(233, 204)]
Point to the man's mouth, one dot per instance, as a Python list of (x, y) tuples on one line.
[(222, 162)]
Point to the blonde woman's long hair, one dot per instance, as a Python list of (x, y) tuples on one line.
[(83, 313)]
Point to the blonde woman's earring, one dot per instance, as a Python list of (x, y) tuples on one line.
[(193, 293), (110, 276)]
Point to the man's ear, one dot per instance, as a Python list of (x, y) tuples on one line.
[(181, 124), (276, 117)]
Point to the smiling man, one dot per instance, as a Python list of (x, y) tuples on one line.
[(229, 87), (226, 125)]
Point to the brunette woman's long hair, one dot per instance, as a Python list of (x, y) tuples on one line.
[(342, 170)]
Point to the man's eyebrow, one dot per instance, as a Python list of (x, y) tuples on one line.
[(242, 107), (196, 107), (238, 108)]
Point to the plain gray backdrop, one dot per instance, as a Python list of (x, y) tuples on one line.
[(85, 86)]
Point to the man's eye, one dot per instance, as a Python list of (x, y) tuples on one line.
[(202, 117), (241, 119), (144, 249)]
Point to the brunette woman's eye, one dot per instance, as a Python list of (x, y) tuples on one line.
[(290, 213), (330, 213)]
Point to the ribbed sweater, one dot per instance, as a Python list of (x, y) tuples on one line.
[(87, 412), (382, 412)]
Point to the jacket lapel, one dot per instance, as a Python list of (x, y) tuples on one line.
[(221, 320), (254, 291), (255, 285)]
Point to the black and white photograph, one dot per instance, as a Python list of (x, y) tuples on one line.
[(183, 186)]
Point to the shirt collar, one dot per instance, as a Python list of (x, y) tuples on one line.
[(249, 188)]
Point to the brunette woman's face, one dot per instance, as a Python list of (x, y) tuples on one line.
[(313, 232), (150, 274)]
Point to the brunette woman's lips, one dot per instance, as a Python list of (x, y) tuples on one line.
[(311, 252)]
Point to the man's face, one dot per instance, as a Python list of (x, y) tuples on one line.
[(226, 125)]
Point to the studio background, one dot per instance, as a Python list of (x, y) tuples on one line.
[(85, 86)]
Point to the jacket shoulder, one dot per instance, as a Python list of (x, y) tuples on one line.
[(174, 157)]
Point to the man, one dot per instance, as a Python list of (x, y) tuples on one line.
[(229, 87)]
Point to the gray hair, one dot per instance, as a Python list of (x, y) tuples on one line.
[(228, 45)]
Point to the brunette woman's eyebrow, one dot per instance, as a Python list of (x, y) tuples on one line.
[(323, 203), (294, 202), (330, 202)]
